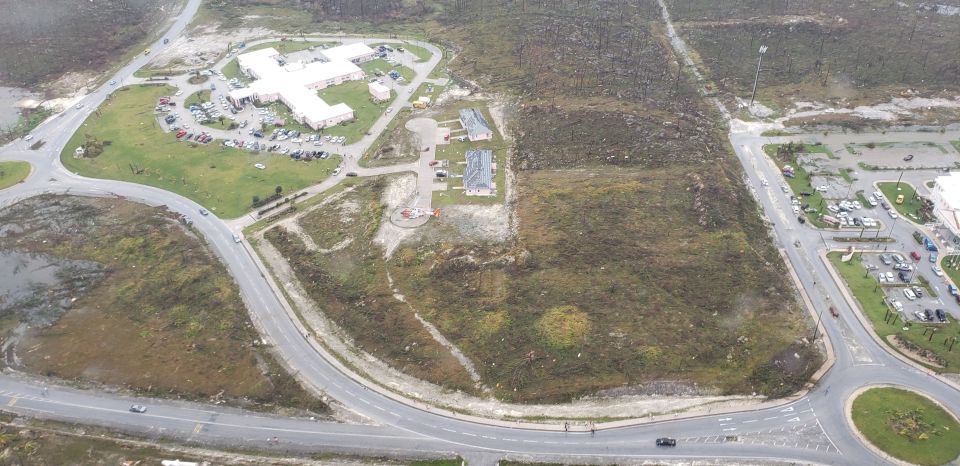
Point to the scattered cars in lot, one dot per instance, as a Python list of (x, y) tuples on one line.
[(909, 294), (941, 315), (138, 409), (666, 442)]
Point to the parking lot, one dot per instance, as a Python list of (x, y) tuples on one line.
[(912, 286)]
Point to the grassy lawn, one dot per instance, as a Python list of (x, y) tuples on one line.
[(422, 91), (421, 53), (232, 70), (865, 288), (455, 152), (956, 145), (197, 98), (381, 65), (365, 110), (222, 179), (911, 200), (802, 182), (12, 173), (907, 426)]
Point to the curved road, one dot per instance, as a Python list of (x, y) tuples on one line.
[(810, 429)]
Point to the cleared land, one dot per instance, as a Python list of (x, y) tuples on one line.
[(886, 322), (396, 144), (820, 50), (158, 313), (12, 173), (365, 110), (907, 426), (222, 179)]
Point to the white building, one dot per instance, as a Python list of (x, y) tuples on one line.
[(295, 85), (378, 91), (356, 52), (946, 205)]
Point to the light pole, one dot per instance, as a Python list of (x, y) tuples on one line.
[(763, 50)]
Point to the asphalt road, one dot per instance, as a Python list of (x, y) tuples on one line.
[(810, 429)]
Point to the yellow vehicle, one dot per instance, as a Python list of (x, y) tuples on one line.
[(146, 51), (899, 199), (418, 104)]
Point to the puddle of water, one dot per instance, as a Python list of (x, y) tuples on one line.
[(9, 96), (40, 288)]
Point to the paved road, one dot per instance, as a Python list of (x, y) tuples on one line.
[(810, 429)]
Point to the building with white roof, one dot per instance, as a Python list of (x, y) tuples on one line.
[(378, 91), (946, 204), (356, 52), (295, 85)]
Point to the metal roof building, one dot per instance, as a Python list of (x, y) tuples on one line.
[(478, 176), (476, 125), (356, 52)]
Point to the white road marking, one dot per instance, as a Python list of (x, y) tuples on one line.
[(787, 410), (752, 420), (448, 430), (725, 419), (769, 418), (468, 433), (796, 419), (729, 429)]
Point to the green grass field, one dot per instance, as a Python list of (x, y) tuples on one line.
[(865, 288), (381, 65), (222, 179), (421, 53), (907, 426), (911, 201), (12, 173), (197, 98), (956, 145), (365, 110)]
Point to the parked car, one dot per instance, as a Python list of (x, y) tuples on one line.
[(952, 289), (882, 277), (801, 220), (904, 277), (909, 294), (937, 270), (927, 314), (920, 316), (899, 258), (933, 257), (915, 255), (666, 442), (893, 213), (918, 291), (941, 316), (138, 409), (890, 277), (886, 259)]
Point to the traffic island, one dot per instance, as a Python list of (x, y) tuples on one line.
[(904, 426), (12, 173)]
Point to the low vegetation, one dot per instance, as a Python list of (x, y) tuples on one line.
[(907, 426), (576, 306), (820, 50), (125, 142), (347, 278), (930, 344), (12, 173), (161, 316), (28, 120), (44, 40)]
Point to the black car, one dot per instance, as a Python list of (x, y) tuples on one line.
[(351, 173), (941, 316), (928, 314), (905, 278), (666, 442), (908, 158), (801, 220)]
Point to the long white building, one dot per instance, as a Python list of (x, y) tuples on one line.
[(295, 84), (946, 205)]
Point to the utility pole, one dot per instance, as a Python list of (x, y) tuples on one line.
[(763, 50)]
